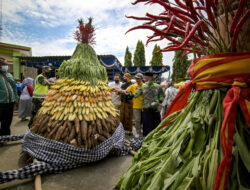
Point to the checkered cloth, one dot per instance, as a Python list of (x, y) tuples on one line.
[(31, 170), (61, 153), (56, 157), (135, 144), (8, 138)]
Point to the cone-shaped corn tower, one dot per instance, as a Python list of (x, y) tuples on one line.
[(77, 109)]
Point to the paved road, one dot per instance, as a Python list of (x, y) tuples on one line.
[(102, 175)]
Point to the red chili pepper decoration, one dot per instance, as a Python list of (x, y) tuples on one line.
[(168, 7), (178, 2), (187, 29), (238, 27), (210, 14), (192, 10), (191, 34), (154, 40), (158, 17), (171, 24), (147, 27), (216, 2), (138, 18), (193, 21), (186, 19), (237, 15), (186, 52), (172, 40), (139, 1)]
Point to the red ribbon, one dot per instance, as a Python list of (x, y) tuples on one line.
[(236, 95)]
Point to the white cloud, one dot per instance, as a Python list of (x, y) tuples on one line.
[(109, 19), (49, 48), (11, 9)]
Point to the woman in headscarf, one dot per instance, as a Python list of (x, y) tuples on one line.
[(25, 103)]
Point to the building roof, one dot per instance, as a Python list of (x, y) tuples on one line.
[(146, 69), (111, 63), (26, 51), (34, 61)]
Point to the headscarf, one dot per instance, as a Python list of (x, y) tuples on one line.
[(27, 81)]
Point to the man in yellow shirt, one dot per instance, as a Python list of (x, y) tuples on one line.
[(137, 102)]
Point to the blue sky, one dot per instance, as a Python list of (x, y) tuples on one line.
[(48, 26)]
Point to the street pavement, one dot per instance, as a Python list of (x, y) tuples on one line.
[(102, 175)]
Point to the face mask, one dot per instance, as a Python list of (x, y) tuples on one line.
[(48, 74), (4, 68)]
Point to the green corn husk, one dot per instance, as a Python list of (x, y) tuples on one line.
[(186, 154), (83, 65)]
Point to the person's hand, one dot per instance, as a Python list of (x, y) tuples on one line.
[(50, 83), (117, 90), (126, 92), (154, 104)]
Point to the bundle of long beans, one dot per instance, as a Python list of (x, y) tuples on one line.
[(200, 146)]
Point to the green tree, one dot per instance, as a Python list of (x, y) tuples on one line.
[(180, 65), (128, 58), (157, 57), (139, 55)]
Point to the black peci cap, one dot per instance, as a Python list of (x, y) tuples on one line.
[(149, 74)]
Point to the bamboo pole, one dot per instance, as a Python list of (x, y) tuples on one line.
[(132, 152), (38, 180), (128, 143)]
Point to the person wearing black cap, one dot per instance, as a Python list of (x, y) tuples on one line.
[(152, 96), (41, 87), (126, 108), (8, 97), (137, 103)]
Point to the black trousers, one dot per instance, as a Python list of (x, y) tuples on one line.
[(37, 104), (6, 115), (151, 118)]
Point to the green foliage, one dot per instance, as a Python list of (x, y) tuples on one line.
[(180, 65), (139, 54), (83, 65), (128, 58), (157, 57), (184, 154)]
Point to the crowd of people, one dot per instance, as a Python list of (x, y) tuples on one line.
[(27, 96), (141, 104)]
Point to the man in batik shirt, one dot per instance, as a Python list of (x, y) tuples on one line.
[(152, 96)]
